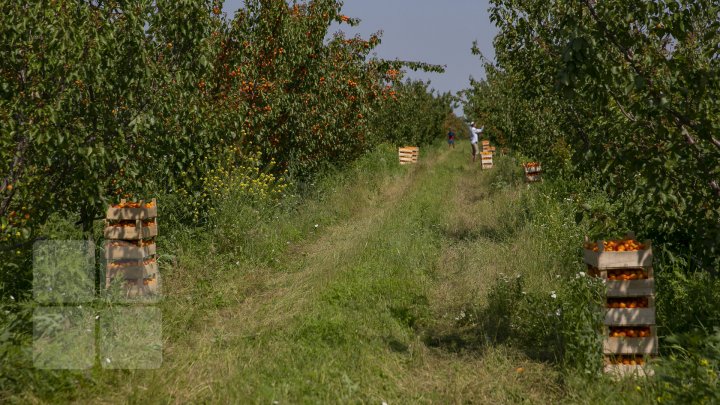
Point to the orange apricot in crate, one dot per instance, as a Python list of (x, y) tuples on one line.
[(630, 332), (620, 245), (626, 274), (641, 302)]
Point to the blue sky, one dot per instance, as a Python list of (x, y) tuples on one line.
[(432, 31)]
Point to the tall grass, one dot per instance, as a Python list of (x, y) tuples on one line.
[(430, 283)]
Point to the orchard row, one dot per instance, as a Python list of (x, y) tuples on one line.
[(103, 100)]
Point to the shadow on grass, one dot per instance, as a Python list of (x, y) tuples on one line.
[(511, 317), (475, 233), (455, 340), (476, 197), (396, 345)]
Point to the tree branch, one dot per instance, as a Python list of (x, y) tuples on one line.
[(625, 113)]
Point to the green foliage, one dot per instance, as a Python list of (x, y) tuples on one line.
[(621, 98), (138, 99), (690, 375), (582, 318), (686, 301), (619, 101), (560, 326), (416, 117)]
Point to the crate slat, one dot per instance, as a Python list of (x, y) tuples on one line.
[(647, 271), (633, 288), (128, 251), (625, 345), (130, 232), (630, 316), (133, 272)]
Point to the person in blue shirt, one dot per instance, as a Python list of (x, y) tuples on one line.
[(451, 139)]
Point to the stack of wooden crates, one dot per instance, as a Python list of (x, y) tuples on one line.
[(130, 250), (408, 154), (486, 156), (630, 333), (533, 172)]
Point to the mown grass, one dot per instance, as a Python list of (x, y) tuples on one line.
[(391, 297)]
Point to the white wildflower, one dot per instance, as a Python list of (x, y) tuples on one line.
[(553, 295)]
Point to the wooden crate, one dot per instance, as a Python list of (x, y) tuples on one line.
[(131, 272), (408, 154), (617, 260), (629, 316), (635, 288), (634, 345), (140, 288), (136, 232), (124, 250), (485, 143), (532, 169), (644, 287), (648, 272), (616, 367), (486, 159), (626, 288), (489, 148), (127, 213)]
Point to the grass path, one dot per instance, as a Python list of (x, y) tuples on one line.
[(364, 312)]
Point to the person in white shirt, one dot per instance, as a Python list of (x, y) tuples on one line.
[(474, 132)]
